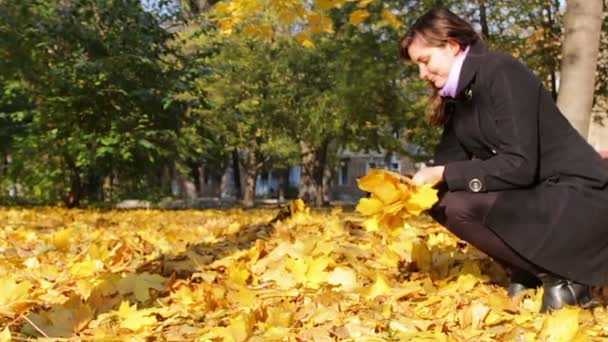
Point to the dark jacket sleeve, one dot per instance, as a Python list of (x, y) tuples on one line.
[(514, 96), (449, 148)]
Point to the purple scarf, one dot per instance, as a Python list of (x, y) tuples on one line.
[(450, 87)]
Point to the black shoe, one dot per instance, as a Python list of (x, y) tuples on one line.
[(522, 280), (559, 292)]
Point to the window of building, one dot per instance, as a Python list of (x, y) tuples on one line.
[(343, 173)]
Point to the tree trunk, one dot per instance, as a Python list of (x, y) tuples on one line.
[(327, 178), (202, 187), (551, 30), (165, 177), (227, 181), (283, 184), (251, 174), (307, 189), (108, 187), (195, 174), (72, 198), (5, 164), (236, 173), (176, 188), (582, 24), (311, 180), (483, 20), (92, 188)]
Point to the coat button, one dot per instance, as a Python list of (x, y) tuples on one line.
[(468, 94), (475, 185)]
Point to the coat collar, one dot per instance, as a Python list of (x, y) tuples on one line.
[(470, 66)]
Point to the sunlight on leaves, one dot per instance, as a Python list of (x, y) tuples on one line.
[(561, 326), (386, 272), (133, 319), (393, 199)]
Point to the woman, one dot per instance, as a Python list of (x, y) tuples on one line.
[(517, 181)]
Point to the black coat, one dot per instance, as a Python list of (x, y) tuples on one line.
[(505, 134)]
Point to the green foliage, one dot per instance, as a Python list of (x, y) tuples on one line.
[(96, 72), (101, 100)]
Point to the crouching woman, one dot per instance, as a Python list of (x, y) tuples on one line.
[(517, 181)]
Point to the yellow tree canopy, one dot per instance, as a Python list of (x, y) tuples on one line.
[(301, 20)]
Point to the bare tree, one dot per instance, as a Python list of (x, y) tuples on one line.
[(582, 24)]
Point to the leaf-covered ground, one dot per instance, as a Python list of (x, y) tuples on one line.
[(259, 276)]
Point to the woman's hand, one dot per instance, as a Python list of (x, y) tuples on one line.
[(430, 175)]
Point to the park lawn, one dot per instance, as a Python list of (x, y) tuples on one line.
[(258, 275)]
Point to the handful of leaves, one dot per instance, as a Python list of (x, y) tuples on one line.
[(394, 198)]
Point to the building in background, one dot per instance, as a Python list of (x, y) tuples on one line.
[(343, 187)]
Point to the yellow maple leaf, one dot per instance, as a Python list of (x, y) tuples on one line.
[(280, 316), (344, 277), (387, 193), (364, 3), (133, 319), (379, 288), (238, 274), (140, 285), (358, 16), (240, 327), (243, 297), (561, 326), (226, 25), (316, 274), (222, 8), (246, 8), (466, 282), (307, 43), (260, 32), (375, 178), (369, 206), (390, 19), (12, 292), (62, 239), (319, 23), (423, 198), (494, 318), (392, 209), (371, 224), (85, 286), (86, 268), (394, 223), (298, 206), (298, 268), (32, 262), (479, 312), (310, 271), (389, 259), (324, 5), (184, 296)]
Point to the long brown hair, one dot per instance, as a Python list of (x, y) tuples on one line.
[(436, 27)]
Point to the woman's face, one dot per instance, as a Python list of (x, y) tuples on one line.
[(434, 62)]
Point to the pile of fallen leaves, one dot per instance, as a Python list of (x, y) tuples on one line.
[(394, 199), (237, 275)]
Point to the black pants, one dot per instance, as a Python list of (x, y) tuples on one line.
[(463, 213)]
